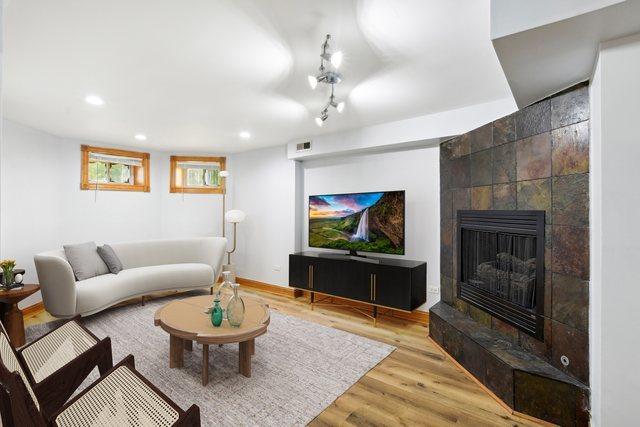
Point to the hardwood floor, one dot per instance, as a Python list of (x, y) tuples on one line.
[(416, 385)]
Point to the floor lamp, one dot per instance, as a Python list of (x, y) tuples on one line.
[(234, 216), (224, 175)]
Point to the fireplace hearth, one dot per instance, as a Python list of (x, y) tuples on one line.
[(501, 265)]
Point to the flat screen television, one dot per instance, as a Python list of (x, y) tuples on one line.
[(358, 222)]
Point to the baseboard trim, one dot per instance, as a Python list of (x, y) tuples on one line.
[(33, 309), (416, 316), (267, 287)]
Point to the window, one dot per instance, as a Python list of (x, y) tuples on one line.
[(113, 169), (197, 174)]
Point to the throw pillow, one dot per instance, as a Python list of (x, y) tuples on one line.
[(110, 258), (85, 261)]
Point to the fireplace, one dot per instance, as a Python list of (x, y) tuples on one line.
[(501, 265)]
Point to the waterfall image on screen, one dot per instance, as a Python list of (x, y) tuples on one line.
[(367, 222)]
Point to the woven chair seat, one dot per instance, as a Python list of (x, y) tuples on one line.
[(119, 399), (12, 364), (53, 351)]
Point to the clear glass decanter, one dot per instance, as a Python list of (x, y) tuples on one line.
[(224, 292), (235, 308)]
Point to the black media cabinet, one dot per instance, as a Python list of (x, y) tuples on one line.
[(390, 282)]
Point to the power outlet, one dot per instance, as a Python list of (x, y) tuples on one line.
[(433, 290), (276, 268)]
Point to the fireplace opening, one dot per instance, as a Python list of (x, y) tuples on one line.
[(501, 265)]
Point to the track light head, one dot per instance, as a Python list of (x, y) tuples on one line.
[(340, 107), (336, 59)]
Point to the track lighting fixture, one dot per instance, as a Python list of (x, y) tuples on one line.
[(328, 74)]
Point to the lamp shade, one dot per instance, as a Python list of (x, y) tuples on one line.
[(235, 216), (224, 174)]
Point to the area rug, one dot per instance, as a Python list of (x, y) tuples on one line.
[(299, 368)]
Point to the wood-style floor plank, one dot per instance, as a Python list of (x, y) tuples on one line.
[(416, 385)]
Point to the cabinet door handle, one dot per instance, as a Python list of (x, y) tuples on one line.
[(375, 287), (371, 287)]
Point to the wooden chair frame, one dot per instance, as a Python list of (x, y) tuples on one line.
[(53, 391), (19, 409)]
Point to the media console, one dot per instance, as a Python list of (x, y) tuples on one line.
[(389, 282)]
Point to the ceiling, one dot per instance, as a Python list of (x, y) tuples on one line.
[(192, 74)]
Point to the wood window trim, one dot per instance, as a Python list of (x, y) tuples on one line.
[(141, 174), (175, 188)]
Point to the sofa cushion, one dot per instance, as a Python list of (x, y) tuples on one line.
[(99, 292), (110, 258), (85, 261)]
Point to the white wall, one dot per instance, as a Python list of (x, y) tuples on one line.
[(615, 249), (416, 132), (42, 206), (415, 171), (264, 187)]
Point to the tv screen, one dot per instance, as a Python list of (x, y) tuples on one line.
[(366, 222)]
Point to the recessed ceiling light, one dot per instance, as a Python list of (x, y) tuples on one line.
[(94, 100), (141, 137), (245, 134)]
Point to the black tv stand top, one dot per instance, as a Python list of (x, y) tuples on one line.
[(396, 262)]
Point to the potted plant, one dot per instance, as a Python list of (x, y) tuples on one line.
[(7, 266)]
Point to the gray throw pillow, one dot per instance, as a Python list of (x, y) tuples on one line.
[(85, 261), (110, 258)]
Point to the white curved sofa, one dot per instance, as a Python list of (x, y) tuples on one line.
[(148, 266)]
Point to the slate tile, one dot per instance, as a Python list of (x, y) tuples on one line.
[(473, 358), (533, 157), (446, 247), (573, 344), (570, 108), (481, 168), (459, 146), (535, 346), (446, 289), (460, 305), (461, 200), (481, 138), (452, 340), (509, 331), (571, 200), (436, 327), (504, 130), (480, 316), (544, 398), (535, 195), (499, 379), (571, 251), (548, 292), (446, 204), (446, 150), (570, 152), (571, 301), (460, 172), (533, 119), (446, 175), (481, 198), (504, 196), (504, 163)]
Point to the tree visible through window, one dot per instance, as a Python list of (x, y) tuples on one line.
[(197, 174), (113, 169)]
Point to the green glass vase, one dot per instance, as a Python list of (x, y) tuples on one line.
[(216, 313)]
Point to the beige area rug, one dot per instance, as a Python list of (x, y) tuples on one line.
[(299, 367)]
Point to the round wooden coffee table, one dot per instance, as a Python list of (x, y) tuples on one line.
[(12, 315), (186, 321)]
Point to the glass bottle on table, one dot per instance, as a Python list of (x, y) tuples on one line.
[(235, 308), (224, 292)]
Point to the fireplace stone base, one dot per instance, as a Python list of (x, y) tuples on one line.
[(525, 382)]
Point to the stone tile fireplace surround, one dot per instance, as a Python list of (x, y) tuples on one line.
[(536, 159)]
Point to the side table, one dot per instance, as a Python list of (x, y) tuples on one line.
[(12, 315)]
